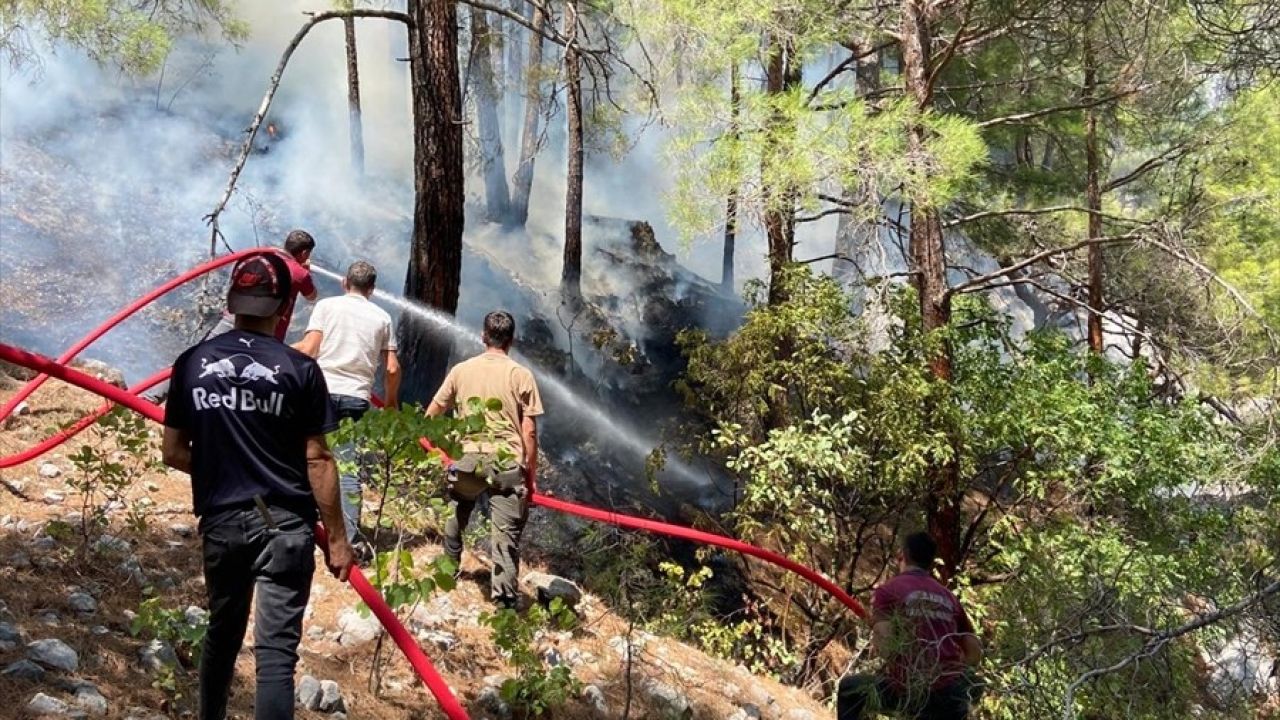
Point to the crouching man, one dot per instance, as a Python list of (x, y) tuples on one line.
[(926, 641), (246, 418)]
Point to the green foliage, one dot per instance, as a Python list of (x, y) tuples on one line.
[(109, 473), (137, 36), (403, 584), (171, 625), (537, 689), (1091, 500)]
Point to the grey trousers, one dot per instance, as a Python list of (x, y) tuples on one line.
[(508, 512)]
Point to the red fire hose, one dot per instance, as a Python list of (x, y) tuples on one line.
[(66, 434), (698, 536), (367, 592), (120, 317), (57, 368)]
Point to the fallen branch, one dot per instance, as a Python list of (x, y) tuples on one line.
[(252, 132)]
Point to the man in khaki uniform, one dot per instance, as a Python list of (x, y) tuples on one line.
[(503, 460)]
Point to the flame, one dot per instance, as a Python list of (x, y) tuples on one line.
[(271, 130)]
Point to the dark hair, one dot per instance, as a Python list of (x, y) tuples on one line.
[(499, 329), (298, 242), (361, 276), (920, 549)]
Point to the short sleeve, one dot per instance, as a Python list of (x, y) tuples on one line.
[(527, 392), (319, 316), (177, 408), (447, 394), (318, 416), (883, 603), (303, 284), (390, 331)]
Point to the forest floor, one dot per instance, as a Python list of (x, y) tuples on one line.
[(43, 569)]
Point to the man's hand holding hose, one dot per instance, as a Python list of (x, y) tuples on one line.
[(322, 472)]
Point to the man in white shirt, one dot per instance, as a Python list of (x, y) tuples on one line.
[(350, 337)]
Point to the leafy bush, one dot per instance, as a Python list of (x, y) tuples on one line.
[(109, 473), (537, 688), (1092, 498)]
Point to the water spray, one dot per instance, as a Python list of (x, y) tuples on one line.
[(421, 664), (630, 438)]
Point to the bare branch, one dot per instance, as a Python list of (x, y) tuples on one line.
[(1033, 114), (1035, 211), (252, 132), (1174, 153), (982, 280), (1160, 640)]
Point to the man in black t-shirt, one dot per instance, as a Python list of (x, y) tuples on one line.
[(246, 418)]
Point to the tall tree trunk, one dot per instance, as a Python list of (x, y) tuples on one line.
[(1093, 195), (928, 263), (731, 205), (522, 182), (356, 126), (782, 72), (571, 275), (435, 257), (497, 198), (855, 236)]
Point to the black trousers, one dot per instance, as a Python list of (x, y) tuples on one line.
[(243, 555), (863, 696)]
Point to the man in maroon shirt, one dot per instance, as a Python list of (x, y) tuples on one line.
[(926, 641), (298, 246)]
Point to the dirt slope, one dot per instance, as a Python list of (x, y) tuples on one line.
[(40, 575)]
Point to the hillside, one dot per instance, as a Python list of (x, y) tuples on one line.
[(54, 588)]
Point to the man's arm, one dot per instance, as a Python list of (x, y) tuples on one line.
[(392, 382), (309, 345), (882, 637), (529, 438), (322, 473), (176, 449)]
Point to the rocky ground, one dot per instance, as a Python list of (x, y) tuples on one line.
[(67, 607)]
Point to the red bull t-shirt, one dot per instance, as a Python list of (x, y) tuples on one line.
[(248, 403), (927, 623)]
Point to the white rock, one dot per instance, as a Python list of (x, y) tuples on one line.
[(157, 655), (331, 697), (307, 692), (356, 630), (49, 470), (668, 698), (55, 654), (547, 587), (88, 698), (595, 698), (195, 615), (53, 497), (82, 603), (44, 705)]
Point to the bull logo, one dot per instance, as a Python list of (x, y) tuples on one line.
[(223, 368), (239, 369), (257, 371)]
